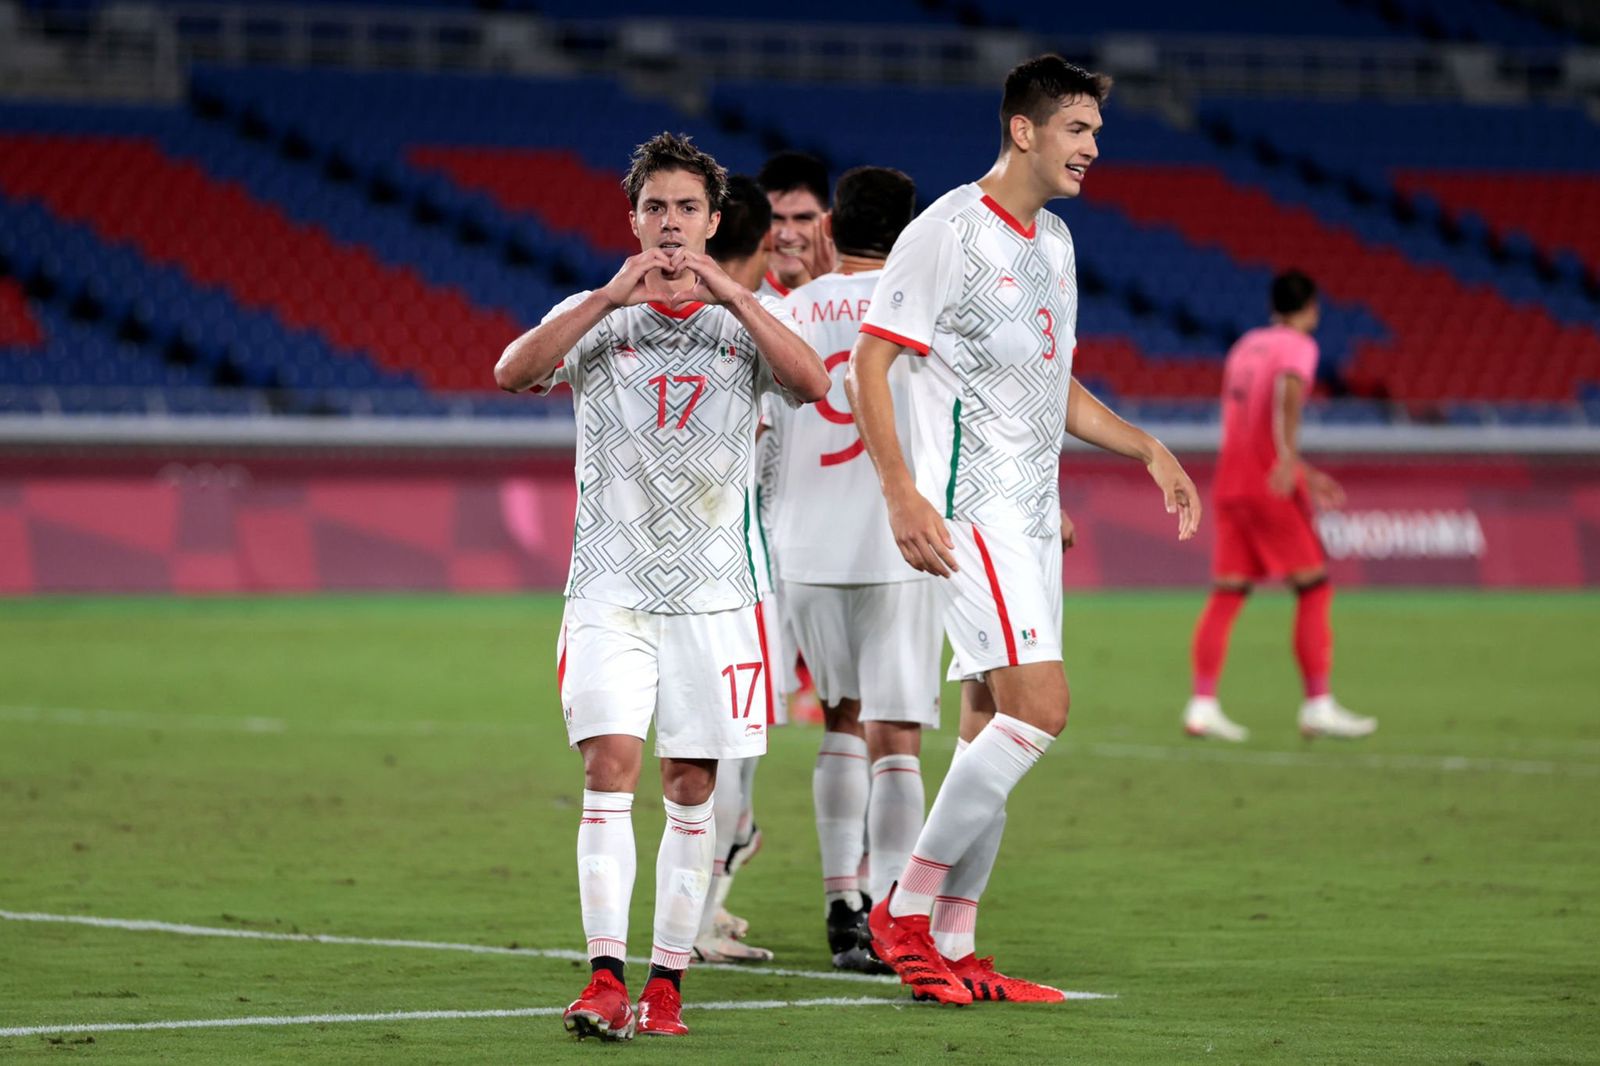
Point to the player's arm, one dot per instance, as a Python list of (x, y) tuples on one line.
[(533, 357), (1093, 422), (1287, 411), (918, 530), (793, 362)]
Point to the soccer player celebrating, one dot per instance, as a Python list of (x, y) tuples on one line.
[(667, 365), (982, 286), (868, 622), (1263, 500), (797, 187)]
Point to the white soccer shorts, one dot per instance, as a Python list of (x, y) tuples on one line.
[(879, 644), (704, 678), (1003, 607)]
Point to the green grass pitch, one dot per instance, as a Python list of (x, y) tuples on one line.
[(395, 767)]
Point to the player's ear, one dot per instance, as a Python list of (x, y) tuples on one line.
[(711, 230), (1022, 132), (633, 222), (827, 224)]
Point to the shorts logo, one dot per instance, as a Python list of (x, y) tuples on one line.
[(753, 728), (983, 638), (1030, 638)]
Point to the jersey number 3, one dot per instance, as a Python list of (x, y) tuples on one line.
[(660, 382), (1049, 330)]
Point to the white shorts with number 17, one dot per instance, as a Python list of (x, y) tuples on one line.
[(703, 678)]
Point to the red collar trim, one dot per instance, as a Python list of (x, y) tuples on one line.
[(679, 312), (1005, 216), (777, 286)]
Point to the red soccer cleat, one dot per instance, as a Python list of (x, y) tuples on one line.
[(905, 945), (604, 1010), (987, 983), (661, 1009)]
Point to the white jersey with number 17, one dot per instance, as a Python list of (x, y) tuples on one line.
[(832, 525), (993, 306)]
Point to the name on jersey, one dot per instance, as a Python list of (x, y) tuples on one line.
[(841, 310)]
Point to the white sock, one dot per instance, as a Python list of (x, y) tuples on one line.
[(606, 865), (747, 797), (726, 801), (839, 788), (974, 791), (894, 818), (683, 876), (954, 921)]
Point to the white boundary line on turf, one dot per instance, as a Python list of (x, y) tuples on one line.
[(1204, 751), (140, 925), (1191, 751), (419, 1016)]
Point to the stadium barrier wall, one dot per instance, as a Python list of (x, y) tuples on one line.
[(211, 521)]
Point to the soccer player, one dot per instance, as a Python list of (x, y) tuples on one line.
[(1263, 501), (667, 364), (797, 187), (868, 622), (740, 248), (982, 287)]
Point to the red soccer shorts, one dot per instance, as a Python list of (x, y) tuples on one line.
[(1265, 536)]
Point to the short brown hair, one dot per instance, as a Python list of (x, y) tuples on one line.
[(1037, 87), (675, 151)]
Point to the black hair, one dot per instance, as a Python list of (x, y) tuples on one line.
[(675, 151), (871, 205), (746, 220), (1292, 291), (1037, 87), (788, 171)]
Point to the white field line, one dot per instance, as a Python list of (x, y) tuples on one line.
[(139, 925), (1210, 751), (1190, 751), (419, 1016)]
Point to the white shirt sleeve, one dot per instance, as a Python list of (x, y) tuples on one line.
[(569, 370), (766, 383), (920, 282)]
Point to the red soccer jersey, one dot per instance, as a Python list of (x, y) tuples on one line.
[(1250, 402)]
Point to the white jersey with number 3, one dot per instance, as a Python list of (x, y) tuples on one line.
[(993, 305), (832, 524)]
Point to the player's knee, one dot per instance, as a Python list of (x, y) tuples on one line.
[(688, 781), (842, 717)]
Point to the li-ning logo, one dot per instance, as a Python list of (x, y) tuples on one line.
[(753, 728), (591, 821), (626, 349), (1030, 638), (683, 830), (1007, 281)]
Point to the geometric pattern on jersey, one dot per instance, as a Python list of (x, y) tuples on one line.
[(1013, 410), (664, 484)]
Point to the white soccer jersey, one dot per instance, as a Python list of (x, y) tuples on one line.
[(832, 523), (994, 308), (667, 403)]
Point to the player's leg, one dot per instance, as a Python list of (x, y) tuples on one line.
[(607, 675), (840, 780), (1003, 617), (1291, 548), (713, 701), (1234, 565), (711, 943), (898, 637)]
